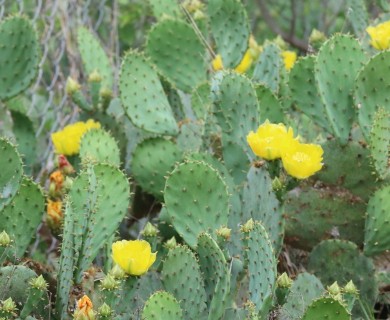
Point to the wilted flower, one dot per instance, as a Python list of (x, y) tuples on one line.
[(67, 141), (56, 181), (134, 256), (54, 213), (289, 58), (302, 160), (84, 310), (270, 139), (380, 35)]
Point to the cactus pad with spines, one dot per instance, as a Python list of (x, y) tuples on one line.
[(161, 306), (99, 209), (11, 173), (270, 107), (19, 56), (230, 28), (176, 50), (152, 160), (303, 291), (336, 67), (380, 143), (182, 277), (357, 16), (304, 91), (143, 97), (341, 261), (216, 275), (197, 200), (97, 145), (261, 262), (20, 218), (315, 214), (376, 237), (94, 57), (201, 100), (165, 8), (260, 203), (267, 69), (190, 136), (371, 90), (326, 308)]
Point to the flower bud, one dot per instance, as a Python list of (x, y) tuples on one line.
[(284, 281), (171, 243), (95, 77), (150, 230), (72, 86), (334, 289), (248, 226), (8, 306), (109, 283), (350, 288), (117, 272), (105, 310), (38, 283), (224, 233), (5, 239)]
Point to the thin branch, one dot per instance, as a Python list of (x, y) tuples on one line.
[(293, 40)]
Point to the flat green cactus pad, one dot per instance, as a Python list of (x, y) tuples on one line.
[(161, 306), (326, 308)]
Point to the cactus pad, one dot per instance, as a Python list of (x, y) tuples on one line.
[(376, 235), (267, 70), (165, 8), (161, 306), (230, 29), (337, 65), (143, 97), (11, 173), (181, 277), (197, 200), (97, 145), (326, 308), (19, 56), (152, 160), (371, 90), (176, 50), (270, 106), (94, 57)]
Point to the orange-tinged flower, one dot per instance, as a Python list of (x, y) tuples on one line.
[(84, 310), (380, 35), (135, 257), (302, 160), (67, 141), (270, 139), (57, 179), (289, 58), (54, 211)]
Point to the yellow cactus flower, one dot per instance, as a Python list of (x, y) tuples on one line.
[(134, 256), (302, 160), (54, 213), (84, 309), (380, 35), (245, 63), (217, 63), (289, 58), (270, 139), (67, 141)]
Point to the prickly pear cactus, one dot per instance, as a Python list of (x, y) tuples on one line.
[(326, 308), (19, 57), (267, 69), (165, 8), (270, 106), (160, 306)]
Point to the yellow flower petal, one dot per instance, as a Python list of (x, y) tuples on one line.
[(380, 35), (270, 139), (67, 141), (217, 63), (245, 63), (302, 160), (289, 58), (134, 256)]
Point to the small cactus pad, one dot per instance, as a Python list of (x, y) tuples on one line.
[(165, 8), (326, 308), (303, 291), (162, 306), (152, 160), (338, 161), (270, 107), (19, 56), (305, 94), (380, 143), (314, 214), (197, 200), (216, 275), (260, 203), (371, 90), (230, 29), (267, 70), (97, 145), (357, 16), (11, 171), (176, 50), (201, 101), (94, 57), (261, 267), (98, 210), (376, 237), (181, 277), (143, 97), (341, 261), (336, 67), (20, 218)]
